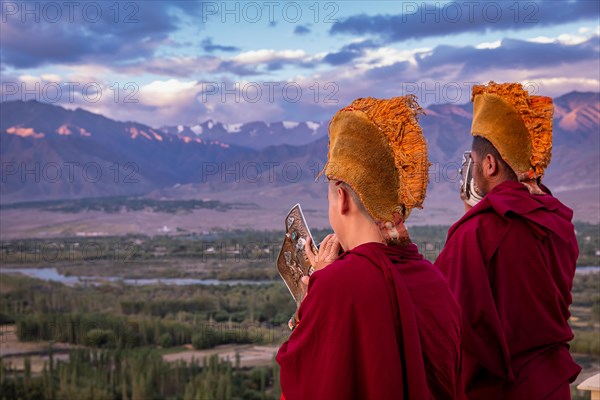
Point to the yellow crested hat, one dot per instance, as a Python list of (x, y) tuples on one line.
[(377, 147), (518, 125)]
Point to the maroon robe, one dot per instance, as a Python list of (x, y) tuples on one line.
[(510, 261), (378, 323)]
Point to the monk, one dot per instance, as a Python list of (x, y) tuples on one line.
[(510, 260), (377, 321)]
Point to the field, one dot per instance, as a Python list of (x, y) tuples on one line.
[(255, 208), (105, 335)]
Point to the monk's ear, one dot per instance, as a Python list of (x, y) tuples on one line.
[(490, 166), (343, 200)]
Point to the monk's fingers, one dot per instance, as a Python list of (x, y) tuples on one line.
[(327, 242), (321, 252), (322, 258), (335, 248), (308, 243), (309, 253), (332, 250), (328, 251), (324, 242), (329, 247), (304, 285)]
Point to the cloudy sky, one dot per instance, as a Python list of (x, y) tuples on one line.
[(168, 63)]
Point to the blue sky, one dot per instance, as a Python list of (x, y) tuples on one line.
[(169, 63)]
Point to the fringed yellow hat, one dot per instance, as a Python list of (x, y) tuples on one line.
[(377, 147), (518, 125)]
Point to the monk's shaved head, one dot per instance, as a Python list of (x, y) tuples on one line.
[(483, 147), (353, 195)]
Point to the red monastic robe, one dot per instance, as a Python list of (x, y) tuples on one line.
[(510, 261), (378, 323)]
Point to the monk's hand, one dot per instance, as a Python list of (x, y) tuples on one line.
[(328, 252), (303, 287)]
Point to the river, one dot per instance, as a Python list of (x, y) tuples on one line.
[(51, 274)]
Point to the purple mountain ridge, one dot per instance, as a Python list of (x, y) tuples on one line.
[(49, 152)]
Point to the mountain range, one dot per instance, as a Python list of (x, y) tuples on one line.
[(49, 152), (256, 135)]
